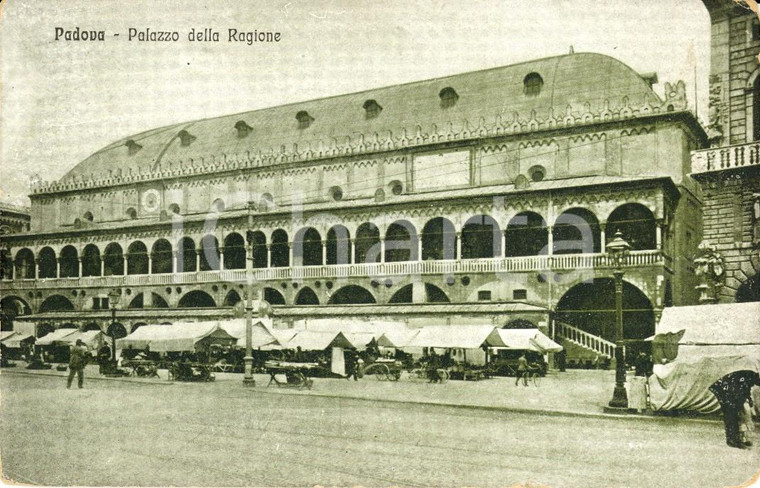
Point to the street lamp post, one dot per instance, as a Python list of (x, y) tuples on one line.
[(113, 300), (618, 249), (248, 359)]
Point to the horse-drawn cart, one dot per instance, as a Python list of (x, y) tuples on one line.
[(290, 375), (384, 369)]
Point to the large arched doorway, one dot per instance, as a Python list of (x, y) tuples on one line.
[(273, 297), (351, 294), (338, 245), (197, 299), (10, 308), (590, 306), (439, 239), (481, 238), (527, 235), (307, 247), (749, 291), (234, 251), (636, 223), (116, 330)]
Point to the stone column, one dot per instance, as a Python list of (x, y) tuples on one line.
[(198, 259), (290, 254), (102, 266), (79, 264), (550, 240), (658, 234), (36, 269), (419, 247), (269, 255), (175, 267), (459, 246), (382, 249), (324, 252), (352, 256), (503, 243), (602, 237), (150, 264), (124, 258), (221, 258), (57, 267)]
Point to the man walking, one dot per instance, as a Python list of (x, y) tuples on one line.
[(77, 362), (522, 370)]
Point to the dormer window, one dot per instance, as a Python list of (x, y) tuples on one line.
[(186, 138), (243, 129), (132, 147), (372, 109), (532, 84), (448, 97), (304, 119)]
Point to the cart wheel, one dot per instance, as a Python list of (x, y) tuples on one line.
[(536, 379), (382, 372), (394, 376)]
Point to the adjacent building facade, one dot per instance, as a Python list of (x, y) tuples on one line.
[(729, 171), (480, 197)]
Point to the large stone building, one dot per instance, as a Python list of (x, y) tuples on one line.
[(13, 218), (729, 171), (484, 196)]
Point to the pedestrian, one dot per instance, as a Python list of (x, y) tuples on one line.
[(522, 370), (77, 362), (733, 391), (104, 359), (562, 360), (746, 425)]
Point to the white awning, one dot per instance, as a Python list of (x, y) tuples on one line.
[(528, 339), (457, 337), (14, 342), (181, 336), (309, 340), (55, 337), (261, 335)]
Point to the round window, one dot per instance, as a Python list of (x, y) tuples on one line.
[(537, 173)]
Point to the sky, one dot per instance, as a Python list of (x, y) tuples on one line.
[(63, 100)]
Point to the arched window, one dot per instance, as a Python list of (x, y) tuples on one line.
[(351, 294), (161, 257), (113, 260), (197, 299), (338, 245), (576, 231), (756, 109), (448, 97), (307, 247), (25, 264), (527, 235), (307, 297), (137, 258), (481, 238), (280, 249), (186, 261), (91, 260), (209, 253), (439, 239), (636, 223), (69, 262), (367, 244), (48, 265), (401, 242), (532, 84), (234, 251), (259, 249)]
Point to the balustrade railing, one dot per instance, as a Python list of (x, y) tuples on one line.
[(721, 158), (564, 262), (585, 339)]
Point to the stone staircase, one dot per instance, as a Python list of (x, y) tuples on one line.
[(582, 346)]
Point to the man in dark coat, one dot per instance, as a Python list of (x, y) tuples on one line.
[(77, 362), (732, 392)]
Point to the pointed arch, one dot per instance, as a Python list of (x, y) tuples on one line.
[(273, 297), (351, 294), (11, 307), (196, 299), (56, 303), (306, 296), (232, 299)]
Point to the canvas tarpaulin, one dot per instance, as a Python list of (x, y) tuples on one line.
[(5, 334), (309, 340), (457, 337), (15, 341), (712, 330), (176, 338), (93, 339), (56, 337), (261, 335), (528, 339), (683, 385)]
